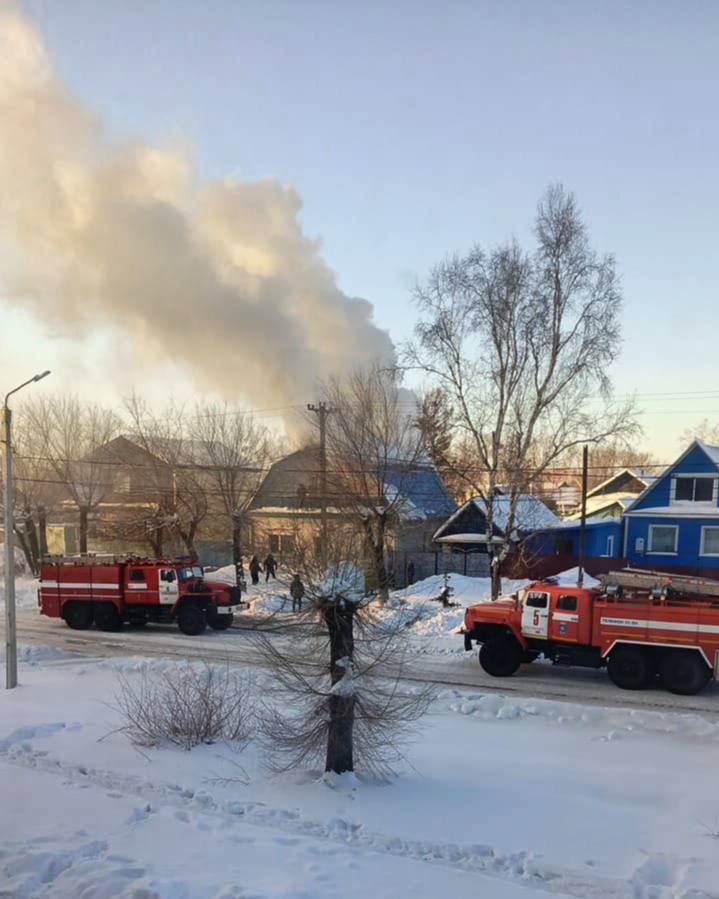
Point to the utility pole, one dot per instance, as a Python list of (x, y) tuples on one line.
[(583, 521), (322, 412), (10, 626)]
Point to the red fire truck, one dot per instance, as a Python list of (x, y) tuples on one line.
[(638, 624), (111, 591)]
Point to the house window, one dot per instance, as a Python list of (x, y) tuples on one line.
[(274, 543), (694, 489), (710, 542), (563, 546), (663, 538), (610, 545)]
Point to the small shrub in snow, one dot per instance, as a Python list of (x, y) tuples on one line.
[(186, 706)]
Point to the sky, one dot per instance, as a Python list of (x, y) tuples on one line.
[(413, 130)]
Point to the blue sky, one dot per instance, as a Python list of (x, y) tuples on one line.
[(411, 130)]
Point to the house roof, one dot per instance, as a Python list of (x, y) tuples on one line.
[(711, 452), (597, 504), (531, 514), (292, 484), (638, 473)]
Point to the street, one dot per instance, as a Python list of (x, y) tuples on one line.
[(541, 681)]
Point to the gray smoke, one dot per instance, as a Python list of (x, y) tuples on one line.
[(216, 276)]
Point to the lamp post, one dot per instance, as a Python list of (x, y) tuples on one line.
[(10, 633)]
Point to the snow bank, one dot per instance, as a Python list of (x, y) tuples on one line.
[(21, 566), (36, 653), (25, 592), (572, 801)]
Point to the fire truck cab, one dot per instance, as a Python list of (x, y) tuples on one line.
[(639, 625), (113, 591)]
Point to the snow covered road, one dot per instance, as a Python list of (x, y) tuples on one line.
[(451, 668), (504, 798)]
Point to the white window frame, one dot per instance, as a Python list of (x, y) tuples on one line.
[(707, 527), (654, 552), (610, 545), (673, 501)]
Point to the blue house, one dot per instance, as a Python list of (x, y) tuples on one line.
[(673, 525)]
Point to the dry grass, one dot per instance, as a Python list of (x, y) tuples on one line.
[(187, 707)]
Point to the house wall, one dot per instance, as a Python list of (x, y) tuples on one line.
[(688, 545)]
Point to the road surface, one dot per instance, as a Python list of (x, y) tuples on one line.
[(237, 646)]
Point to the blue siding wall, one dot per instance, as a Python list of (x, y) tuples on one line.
[(696, 462), (545, 542), (689, 542)]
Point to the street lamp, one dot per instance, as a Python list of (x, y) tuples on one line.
[(10, 633)]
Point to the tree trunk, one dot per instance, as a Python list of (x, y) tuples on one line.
[(496, 575), (83, 529), (42, 530), (188, 538), (32, 541), (339, 620), (22, 540), (237, 546), (375, 538)]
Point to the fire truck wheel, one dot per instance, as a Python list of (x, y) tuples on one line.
[(77, 615), (220, 622), (500, 656), (631, 668), (107, 618), (191, 620), (684, 672)]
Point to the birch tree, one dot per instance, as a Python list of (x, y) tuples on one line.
[(521, 341), (68, 434), (236, 450), (373, 446), (175, 474)]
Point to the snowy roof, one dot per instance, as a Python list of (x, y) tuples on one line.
[(530, 513), (711, 451), (424, 494), (596, 504), (292, 483)]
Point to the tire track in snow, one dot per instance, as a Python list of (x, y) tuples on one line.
[(521, 867)]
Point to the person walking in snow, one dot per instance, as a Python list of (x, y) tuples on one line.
[(297, 591), (255, 569), (270, 567)]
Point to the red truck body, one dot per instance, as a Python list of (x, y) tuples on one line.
[(110, 592), (639, 626)]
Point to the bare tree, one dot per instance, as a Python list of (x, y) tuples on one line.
[(521, 343), (373, 447), (609, 458), (337, 672), (236, 450), (175, 471), (68, 435), (35, 491), (703, 430)]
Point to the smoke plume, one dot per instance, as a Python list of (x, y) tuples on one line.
[(216, 276)]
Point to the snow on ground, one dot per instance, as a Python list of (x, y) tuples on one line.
[(26, 588), (415, 608), (504, 799)]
